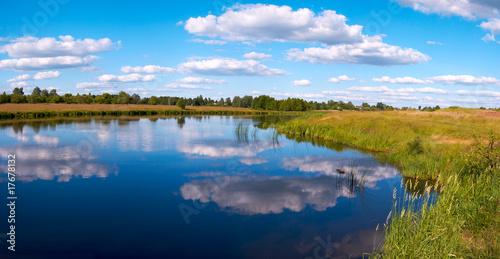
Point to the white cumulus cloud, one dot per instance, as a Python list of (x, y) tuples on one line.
[(37, 76), (434, 42), (303, 82), (298, 95), (200, 80), (336, 92), (429, 90), (493, 25), (50, 47), (340, 79), (228, 67), (90, 85), (33, 64), (256, 56), (370, 88), (23, 77), (260, 22), (185, 86), (46, 75), (398, 92), (131, 78), (478, 93), (149, 69), (19, 84), (372, 51), (209, 42), (467, 80), (470, 9), (399, 80)]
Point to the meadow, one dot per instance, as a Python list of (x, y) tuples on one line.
[(458, 148)]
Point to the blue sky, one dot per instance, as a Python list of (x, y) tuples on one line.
[(404, 52)]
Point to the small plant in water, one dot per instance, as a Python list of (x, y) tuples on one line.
[(241, 132)]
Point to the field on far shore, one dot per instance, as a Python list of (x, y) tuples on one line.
[(24, 107)]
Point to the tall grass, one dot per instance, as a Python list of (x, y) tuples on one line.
[(424, 145), (462, 223)]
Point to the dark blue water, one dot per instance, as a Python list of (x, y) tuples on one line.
[(187, 188)]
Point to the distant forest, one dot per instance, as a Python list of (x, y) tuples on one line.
[(262, 102)]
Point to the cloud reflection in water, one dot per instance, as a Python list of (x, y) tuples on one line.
[(63, 163), (263, 195)]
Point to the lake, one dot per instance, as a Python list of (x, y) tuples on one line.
[(191, 187)]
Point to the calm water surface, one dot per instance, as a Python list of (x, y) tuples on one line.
[(188, 188)]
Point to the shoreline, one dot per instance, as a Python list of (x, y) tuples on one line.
[(12, 112)]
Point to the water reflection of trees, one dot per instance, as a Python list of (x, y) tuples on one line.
[(122, 122), (37, 125), (181, 121)]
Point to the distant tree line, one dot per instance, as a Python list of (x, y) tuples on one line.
[(262, 102), (429, 108)]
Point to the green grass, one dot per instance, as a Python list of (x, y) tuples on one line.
[(462, 223), (443, 136), (458, 148)]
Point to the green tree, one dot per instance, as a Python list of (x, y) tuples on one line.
[(153, 100), (53, 92), (199, 101), (57, 99), (381, 106), (272, 105), (260, 103), (136, 98), (181, 103), (246, 101), (123, 98), (18, 91), (36, 92), (236, 101), (350, 106), (4, 98), (108, 99), (17, 98)]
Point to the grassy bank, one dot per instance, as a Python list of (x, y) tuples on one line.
[(37, 111), (457, 147), (424, 144)]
